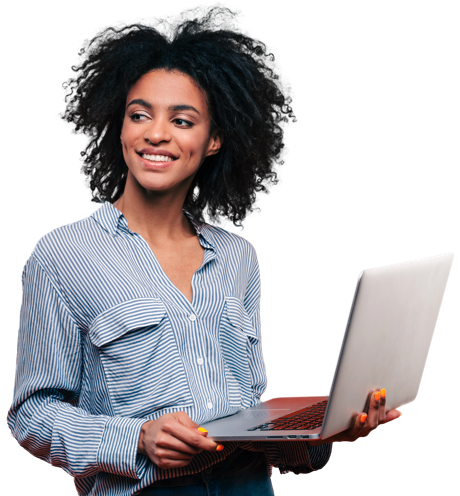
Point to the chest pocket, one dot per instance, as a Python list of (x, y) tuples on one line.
[(237, 336), (142, 366)]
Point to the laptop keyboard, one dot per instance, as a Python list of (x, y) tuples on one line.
[(308, 418)]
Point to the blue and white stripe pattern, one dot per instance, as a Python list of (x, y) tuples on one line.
[(106, 342)]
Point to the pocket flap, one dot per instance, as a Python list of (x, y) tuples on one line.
[(124, 317), (239, 317)]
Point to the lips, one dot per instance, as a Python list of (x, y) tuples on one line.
[(157, 158), (156, 155), (156, 165)]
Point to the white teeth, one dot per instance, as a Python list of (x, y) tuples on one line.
[(157, 158)]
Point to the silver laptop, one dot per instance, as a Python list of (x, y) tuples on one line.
[(392, 319)]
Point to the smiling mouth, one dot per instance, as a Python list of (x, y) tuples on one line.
[(157, 158)]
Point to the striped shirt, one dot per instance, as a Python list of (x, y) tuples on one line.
[(106, 342)]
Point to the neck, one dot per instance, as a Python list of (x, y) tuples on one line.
[(156, 216)]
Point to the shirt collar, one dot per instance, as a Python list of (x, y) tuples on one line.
[(112, 220)]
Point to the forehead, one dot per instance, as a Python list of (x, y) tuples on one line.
[(162, 87)]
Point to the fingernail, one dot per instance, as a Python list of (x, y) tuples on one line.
[(383, 393), (377, 396), (363, 418), (220, 447), (202, 429)]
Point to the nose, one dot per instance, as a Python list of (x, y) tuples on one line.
[(158, 131)]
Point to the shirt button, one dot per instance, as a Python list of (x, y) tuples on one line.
[(209, 405), (200, 361), (192, 317)]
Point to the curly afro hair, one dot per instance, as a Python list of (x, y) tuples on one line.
[(244, 95)]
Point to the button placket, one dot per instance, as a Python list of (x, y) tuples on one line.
[(192, 317)]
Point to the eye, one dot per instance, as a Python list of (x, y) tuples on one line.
[(133, 117), (180, 122), (183, 123)]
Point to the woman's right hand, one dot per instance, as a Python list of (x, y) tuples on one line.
[(173, 440)]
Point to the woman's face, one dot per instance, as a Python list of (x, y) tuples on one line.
[(166, 131)]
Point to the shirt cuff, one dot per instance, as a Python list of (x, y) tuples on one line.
[(117, 452)]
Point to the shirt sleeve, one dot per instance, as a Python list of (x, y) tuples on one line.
[(44, 417), (288, 456), (255, 356), (292, 456)]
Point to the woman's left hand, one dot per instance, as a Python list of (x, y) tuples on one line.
[(364, 422)]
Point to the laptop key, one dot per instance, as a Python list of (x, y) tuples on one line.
[(308, 418)]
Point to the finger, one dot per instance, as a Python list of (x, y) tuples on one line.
[(189, 436), (203, 431), (355, 431), (171, 459), (184, 419), (170, 439), (382, 414), (164, 453), (358, 427), (371, 421), (170, 463), (373, 412), (392, 415)]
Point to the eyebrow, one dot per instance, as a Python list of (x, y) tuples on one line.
[(175, 108)]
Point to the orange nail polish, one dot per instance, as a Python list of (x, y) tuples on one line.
[(383, 393), (363, 418), (377, 396), (220, 447), (202, 429)]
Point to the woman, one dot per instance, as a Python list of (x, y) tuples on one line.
[(142, 322)]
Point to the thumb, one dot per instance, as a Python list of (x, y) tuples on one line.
[(188, 422), (184, 419), (392, 415)]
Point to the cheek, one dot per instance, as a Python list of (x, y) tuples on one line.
[(197, 145), (123, 145), (124, 137), (128, 133)]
